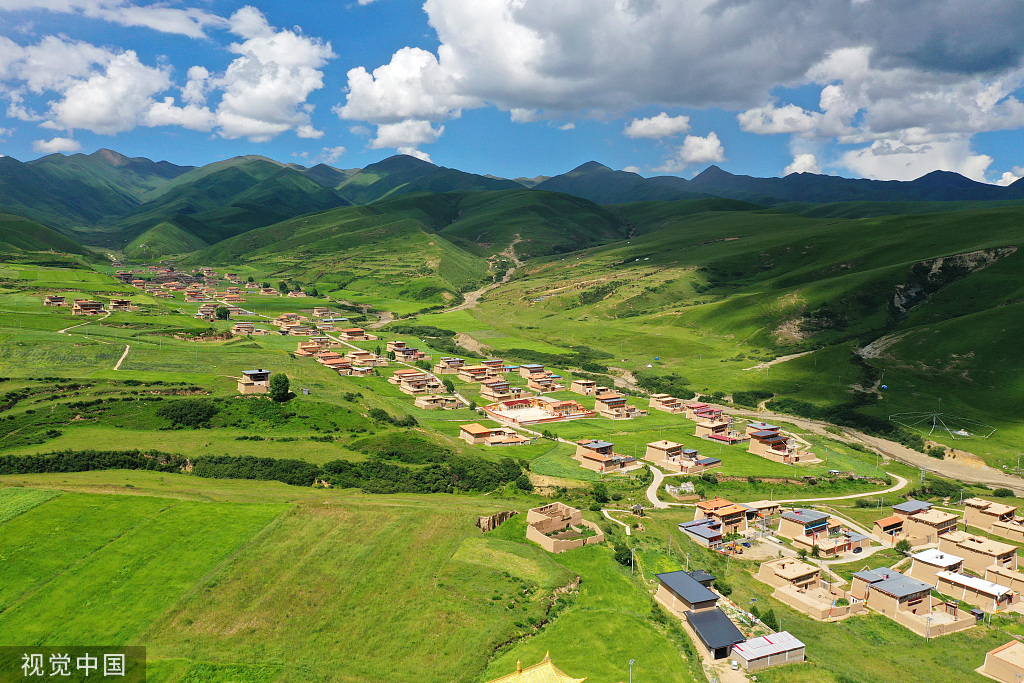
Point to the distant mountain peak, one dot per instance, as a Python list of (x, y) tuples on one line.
[(401, 162), (943, 179), (590, 167), (712, 172), (111, 157)]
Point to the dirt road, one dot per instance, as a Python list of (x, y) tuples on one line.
[(473, 298), (899, 453)]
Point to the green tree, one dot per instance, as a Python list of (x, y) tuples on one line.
[(282, 287), (280, 387), (815, 551), (314, 292), (622, 555), (449, 385), (265, 285), (937, 452), (1003, 493), (903, 546), (523, 483), (251, 279), (222, 313), (770, 620), (600, 492)]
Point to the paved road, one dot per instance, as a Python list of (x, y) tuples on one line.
[(629, 530), (900, 483)]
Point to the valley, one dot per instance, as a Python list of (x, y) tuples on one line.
[(328, 533)]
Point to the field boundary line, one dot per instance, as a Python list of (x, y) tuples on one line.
[(31, 592), (203, 580)]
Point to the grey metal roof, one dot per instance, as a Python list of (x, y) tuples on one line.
[(912, 506), (708, 461), (714, 628), (598, 444), (893, 583), (704, 531), (804, 516), (702, 576), (855, 537), (687, 587)]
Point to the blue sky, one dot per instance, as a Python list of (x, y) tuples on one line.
[(861, 88)]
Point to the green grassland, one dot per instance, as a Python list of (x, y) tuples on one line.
[(263, 587)]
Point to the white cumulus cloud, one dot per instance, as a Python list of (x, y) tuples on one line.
[(405, 134), (187, 21), (657, 127), (902, 160), (54, 145), (694, 150), (264, 90), (803, 163)]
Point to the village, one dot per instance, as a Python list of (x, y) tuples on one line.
[(953, 577)]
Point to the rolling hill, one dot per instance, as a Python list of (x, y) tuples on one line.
[(165, 239), (403, 174), (22, 234)]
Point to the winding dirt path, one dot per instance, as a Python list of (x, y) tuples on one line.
[(85, 323), (124, 355), (473, 298)]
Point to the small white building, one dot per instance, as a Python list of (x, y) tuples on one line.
[(771, 650)]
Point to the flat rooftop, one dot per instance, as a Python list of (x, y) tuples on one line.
[(934, 517), (789, 568), (937, 558), (1012, 653), (766, 646), (975, 584)]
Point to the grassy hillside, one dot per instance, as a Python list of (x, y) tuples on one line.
[(22, 234), (232, 200), (161, 240), (388, 258)]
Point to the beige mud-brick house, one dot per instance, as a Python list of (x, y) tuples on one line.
[(803, 522), (475, 433), (986, 595), (475, 373), (985, 514), (54, 300), (926, 564), (692, 408), (666, 403), (356, 334), (534, 410), (254, 382), (87, 307), (689, 599), (586, 387), (532, 371), (556, 527), (613, 405), (732, 516), (416, 383), (978, 552), (888, 591), (497, 389), (671, 456), (448, 366), (365, 358), (928, 526), (704, 532), (245, 328), (770, 443), (122, 305), (600, 456), (321, 312), (547, 384), (680, 592), (788, 571), (436, 401), (297, 294), (1006, 662)]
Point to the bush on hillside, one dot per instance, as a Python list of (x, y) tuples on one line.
[(189, 412), (1003, 493)]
